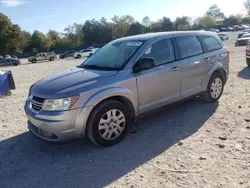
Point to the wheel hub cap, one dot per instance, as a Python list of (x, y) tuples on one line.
[(112, 124), (216, 88)]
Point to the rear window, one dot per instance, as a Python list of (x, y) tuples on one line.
[(189, 46), (211, 43)]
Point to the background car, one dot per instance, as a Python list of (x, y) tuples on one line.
[(248, 54), (83, 53), (67, 54), (236, 28), (223, 29), (223, 36), (230, 28), (9, 61), (243, 40)]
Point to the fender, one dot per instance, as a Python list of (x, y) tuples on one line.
[(212, 69), (113, 92)]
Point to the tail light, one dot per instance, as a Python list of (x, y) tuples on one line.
[(228, 52)]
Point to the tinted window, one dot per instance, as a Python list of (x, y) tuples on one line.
[(211, 43), (162, 51), (189, 46)]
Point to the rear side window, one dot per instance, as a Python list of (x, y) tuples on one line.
[(211, 43), (189, 46)]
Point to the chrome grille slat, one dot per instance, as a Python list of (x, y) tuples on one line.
[(36, 103)]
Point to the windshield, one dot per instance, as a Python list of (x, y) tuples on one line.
[(112, 56), (246, 36)]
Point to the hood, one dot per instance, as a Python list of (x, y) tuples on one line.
[(69, 82)]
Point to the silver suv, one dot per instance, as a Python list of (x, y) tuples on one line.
[(124, 79)]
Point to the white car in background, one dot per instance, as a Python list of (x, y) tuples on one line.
[(84, 53)]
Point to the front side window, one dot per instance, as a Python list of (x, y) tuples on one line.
[(189, 46), (211, 43), (112, 56), (162, 51)]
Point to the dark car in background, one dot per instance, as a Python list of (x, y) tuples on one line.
[(9, 61), (67, 54)]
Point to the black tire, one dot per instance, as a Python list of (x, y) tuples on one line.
[(15, 64), (33, 61), (248, 62), (90, 54), (95, 117), (51, 58), (207, 96), (78, 56)]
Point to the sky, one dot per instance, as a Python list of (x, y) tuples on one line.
[(43, 15)]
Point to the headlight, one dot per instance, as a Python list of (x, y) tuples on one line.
[(59, 104)]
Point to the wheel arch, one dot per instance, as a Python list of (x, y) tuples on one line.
[(216, 68)]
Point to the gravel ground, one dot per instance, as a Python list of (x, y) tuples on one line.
[(188, 144)]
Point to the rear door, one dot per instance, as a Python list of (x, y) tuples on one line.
[(193, 64), (214, 52)]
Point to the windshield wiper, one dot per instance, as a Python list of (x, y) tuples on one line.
[(96, 67)]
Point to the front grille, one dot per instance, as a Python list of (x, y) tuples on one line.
[(38, 99), (36, 106), (36, 103)]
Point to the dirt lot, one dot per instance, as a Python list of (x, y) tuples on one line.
[(188, 144)]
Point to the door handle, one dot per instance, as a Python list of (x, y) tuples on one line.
[(175, 68)]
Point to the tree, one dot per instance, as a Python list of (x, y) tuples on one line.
[(15, 40), (5, 33), (182, 23), (206, 21), (167, 24), (232, 20), (135, 29), (121, 25), (215, 12), (247, 6), (38, 41), (146, 21)]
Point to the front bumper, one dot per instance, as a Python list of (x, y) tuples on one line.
[(57, 126)]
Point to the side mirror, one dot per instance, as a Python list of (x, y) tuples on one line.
[(144, 64)]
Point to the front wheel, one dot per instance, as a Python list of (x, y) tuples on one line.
[(79, 56), (33, 61), (214, 89), (248, 62), (108, 123)]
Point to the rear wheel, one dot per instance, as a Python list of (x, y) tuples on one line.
[(248, 62), (51, 58), (214, 89), (15, 64), (108, 123), (79, 56), (33, 61)]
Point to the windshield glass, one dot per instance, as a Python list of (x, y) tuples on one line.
[(112, 56), (246, 36)]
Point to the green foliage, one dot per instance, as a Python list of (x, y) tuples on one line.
[(247, 6), (97, 32), (215, 12), (205, 21), (182, 23)]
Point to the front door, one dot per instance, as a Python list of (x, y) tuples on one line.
[(161, 84)]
